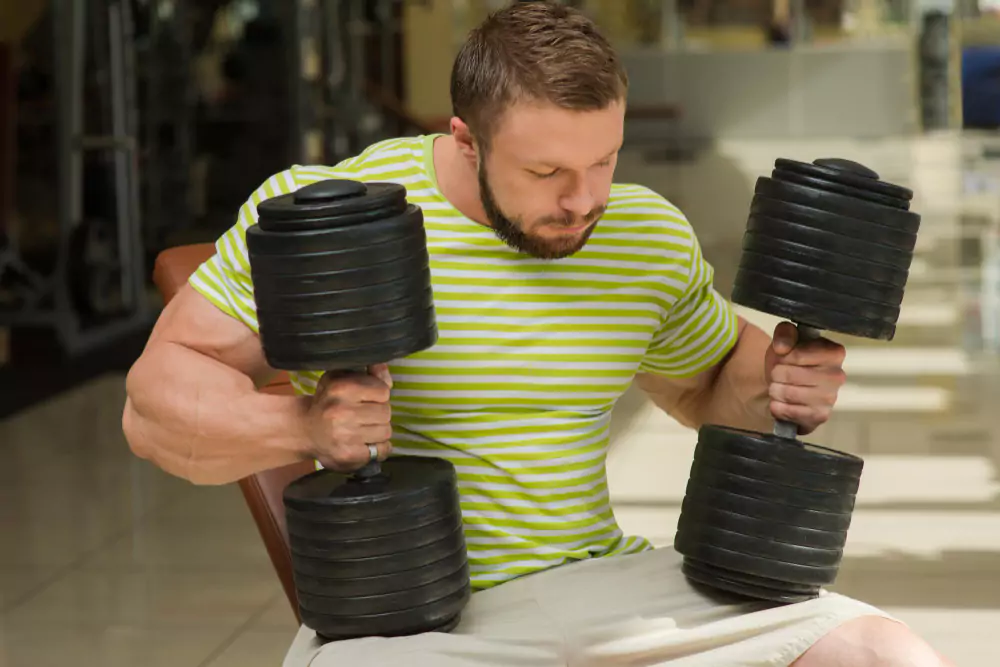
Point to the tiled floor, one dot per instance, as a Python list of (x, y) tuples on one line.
[(107, 562)]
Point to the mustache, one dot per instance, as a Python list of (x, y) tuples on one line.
[(572, 220)]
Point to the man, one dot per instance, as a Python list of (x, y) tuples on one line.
[(554, 289)]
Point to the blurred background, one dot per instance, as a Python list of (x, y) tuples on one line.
[(131, 126)]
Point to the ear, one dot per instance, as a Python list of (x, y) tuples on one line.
[(464, 140)]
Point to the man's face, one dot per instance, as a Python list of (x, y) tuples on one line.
[(546, 178)]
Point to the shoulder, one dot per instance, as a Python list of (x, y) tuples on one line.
[(392, 160), (648, 212), (639, 217), (399, 160)]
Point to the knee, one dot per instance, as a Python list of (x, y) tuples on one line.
[(872, 641)]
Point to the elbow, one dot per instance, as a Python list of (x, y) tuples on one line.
[(145, 447)]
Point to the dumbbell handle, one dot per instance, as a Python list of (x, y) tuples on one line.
[(373, 468), (790, 430)]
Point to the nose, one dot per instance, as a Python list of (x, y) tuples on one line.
[(579, 200)]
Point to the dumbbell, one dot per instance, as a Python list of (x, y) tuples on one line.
[(341, 278), (828, 246)]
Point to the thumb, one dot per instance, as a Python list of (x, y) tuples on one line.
[(785, 338), (381, 371)]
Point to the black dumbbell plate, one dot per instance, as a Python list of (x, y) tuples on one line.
[(842, 225), (405, 482), (769, 448), (704, 475), (345, 299), (738, 584), (438, 616), (395, 601), (263, 266), (374, 566), (777, 474), (331, 203), (334, 239), (760, 547), (346, 337), (381, 545), (399, 348), (277, 288), (847, 172), (795, 573), (832, 242), (888, 222), (694, 512), (324, 523), (383, 583), (824, 260), (375, 315), (807, 275), (809, 315), (769, 511), (748, 281)]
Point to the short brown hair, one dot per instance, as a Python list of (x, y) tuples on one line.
[(539, 51)]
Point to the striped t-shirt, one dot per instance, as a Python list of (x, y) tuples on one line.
[(531, 357)]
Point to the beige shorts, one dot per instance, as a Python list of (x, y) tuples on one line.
[(625, 610)]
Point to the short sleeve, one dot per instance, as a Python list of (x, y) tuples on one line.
[(224, 279), (698, 331)]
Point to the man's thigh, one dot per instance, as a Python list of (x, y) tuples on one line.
[(626, 610)]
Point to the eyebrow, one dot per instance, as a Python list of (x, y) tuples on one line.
[(556, 166)]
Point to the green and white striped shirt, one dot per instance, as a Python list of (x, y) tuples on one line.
[(532, 355)]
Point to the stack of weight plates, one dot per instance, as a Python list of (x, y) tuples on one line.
[(765, 518), (828, 245), (383, 556), (341, 276)]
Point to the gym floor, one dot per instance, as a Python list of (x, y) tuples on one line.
[(107, 562)]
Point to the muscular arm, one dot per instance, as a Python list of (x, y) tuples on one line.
[(733, 392), (192, 404)]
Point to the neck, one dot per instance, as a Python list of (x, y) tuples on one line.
[(458, 180)]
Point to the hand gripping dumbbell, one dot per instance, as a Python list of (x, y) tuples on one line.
[(827, 246), (341, 278)]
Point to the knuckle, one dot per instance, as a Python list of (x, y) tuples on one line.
[(776, 391)]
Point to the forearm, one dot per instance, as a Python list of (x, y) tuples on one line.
[(738, 394), (201, 420)]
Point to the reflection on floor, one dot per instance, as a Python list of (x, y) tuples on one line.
[(105, 561)]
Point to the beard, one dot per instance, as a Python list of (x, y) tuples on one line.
[(512, 232)]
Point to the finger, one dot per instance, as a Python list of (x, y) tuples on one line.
[(348, 458), (357, 389), (818, 352), (375, 434), (381, 371), (825, 396), (372, 414), (808, 417), (384, 449), (807, 376), (786, 335)]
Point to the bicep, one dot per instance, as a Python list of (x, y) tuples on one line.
[(678, 397), (683, 396), (193, 322)]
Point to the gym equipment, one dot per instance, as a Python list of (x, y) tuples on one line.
[(828, 246), (341, 278)]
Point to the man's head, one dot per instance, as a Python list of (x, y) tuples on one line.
[(538, 97)]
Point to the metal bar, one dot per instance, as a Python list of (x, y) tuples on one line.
[(8, 137), (119, 131), (91, 338), (69, 58), (133, 263)]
